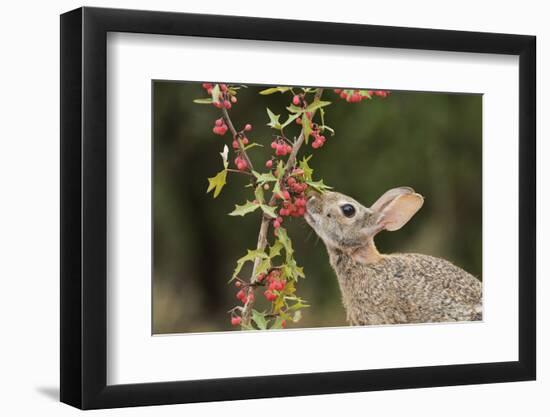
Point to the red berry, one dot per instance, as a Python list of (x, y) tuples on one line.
[(248, 127), (227, 104), (235, 320), (219, 122), (206, 86), (238, 284), (223, 87), (269, 295), (233, 99), (235, 144), (337, 90), (296, 100), (269, 164), (286, 195), (241, 295), (299, 121), (276, 224), (283, 323), (260, 277), (245, 141), (250, 297)]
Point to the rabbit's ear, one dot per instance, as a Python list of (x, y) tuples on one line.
[(389, 196), (395, 213)]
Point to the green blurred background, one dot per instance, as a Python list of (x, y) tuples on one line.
[(429, 141)]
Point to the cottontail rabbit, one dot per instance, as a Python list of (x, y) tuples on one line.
[(389, 289)]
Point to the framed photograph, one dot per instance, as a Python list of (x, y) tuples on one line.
[(255, 208)]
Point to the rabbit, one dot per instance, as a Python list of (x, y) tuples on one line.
[(382, 289)]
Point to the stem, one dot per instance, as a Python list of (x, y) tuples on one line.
[(236, 171), (264, 226), (235, 134)]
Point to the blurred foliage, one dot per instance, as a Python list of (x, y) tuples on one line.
[(429, 141)]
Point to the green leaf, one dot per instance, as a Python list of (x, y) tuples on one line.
[(297, 316), (203, 101), (274, 90), (252, 145), (259, 319), (275, 249), (306, 128), (263, 266), (282, 237), (295, 109), (259, 194), (216, 183), (291, 118), (273, 119), (308, 171), (246, 208), (317, 104), (269, 210), (278, 324), (216, 94), (249, 257), (263, 178), (280, 170), (318, 186)]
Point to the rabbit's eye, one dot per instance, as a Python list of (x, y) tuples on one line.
[(348, 210)]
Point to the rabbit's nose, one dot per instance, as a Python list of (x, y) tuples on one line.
[(314, 204)]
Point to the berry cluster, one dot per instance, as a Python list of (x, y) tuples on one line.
[(281, 147), (293, 197), (220, 128), (318, 139), (241, 163), (356, 96), (275, 284), (225, 97)]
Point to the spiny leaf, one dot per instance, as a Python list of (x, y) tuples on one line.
[(295, 109), (278, 324), (259, 194), (216, 183), (290, 119), (249, 257), (308, 171), (269, 210), (203, 101), (252, 145), (263, 266), (263, 178), (282, 237), (244, 209), (273, 119), (275, 249), (318, 186), (216, 94), (280, 170), (274, 90), (259, 319), (306, 128), (317, 104)]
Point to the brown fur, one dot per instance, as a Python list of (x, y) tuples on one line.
[(389, 289)]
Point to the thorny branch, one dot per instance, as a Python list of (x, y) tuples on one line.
[(264, 226)]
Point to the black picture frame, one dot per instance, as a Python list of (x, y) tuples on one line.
[(84, 207)]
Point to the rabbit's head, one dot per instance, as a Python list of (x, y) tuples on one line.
[(343, 223)]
